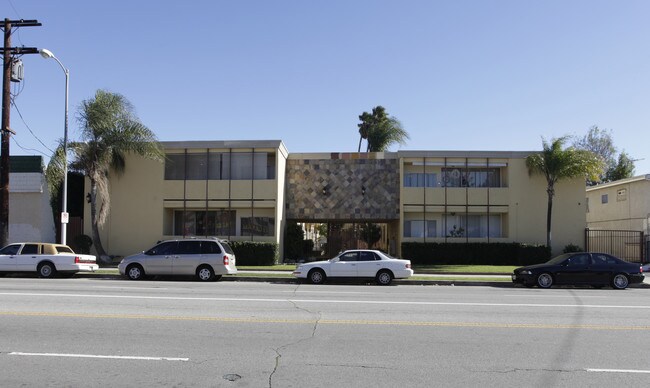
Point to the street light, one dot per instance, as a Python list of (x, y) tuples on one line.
[(45, 53)]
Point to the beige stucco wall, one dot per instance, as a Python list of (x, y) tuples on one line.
[(521, 201), (142, 201), (627, 207)]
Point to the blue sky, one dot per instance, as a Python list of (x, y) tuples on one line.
[(459, 75)]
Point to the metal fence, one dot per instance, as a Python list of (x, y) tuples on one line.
[(626, 244)]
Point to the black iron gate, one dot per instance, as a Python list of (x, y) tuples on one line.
[(626, 244)]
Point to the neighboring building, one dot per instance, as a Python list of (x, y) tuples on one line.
[(30, 213), (620, 205), (248, 190)]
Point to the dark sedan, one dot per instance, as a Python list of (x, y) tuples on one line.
[(580, 268)]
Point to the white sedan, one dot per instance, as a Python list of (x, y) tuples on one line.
[(358, 263)]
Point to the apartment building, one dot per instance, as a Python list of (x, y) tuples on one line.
[(620, 205), (248, 190)]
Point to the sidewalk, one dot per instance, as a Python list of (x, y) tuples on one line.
[(285, 277)]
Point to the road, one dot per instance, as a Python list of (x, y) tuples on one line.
[(98, 332)]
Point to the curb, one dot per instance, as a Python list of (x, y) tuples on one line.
[(261, 279)]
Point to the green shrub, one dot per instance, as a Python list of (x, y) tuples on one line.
[(255, 253), (474, 253), (572, 248), (82, 243)]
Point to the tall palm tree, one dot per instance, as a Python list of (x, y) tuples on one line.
[(380, 130), (556, 163), (110, 130)]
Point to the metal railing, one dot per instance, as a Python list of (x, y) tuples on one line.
[(628, 245)]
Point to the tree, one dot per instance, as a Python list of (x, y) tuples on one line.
[(600, 142), (109, 131), (623, 169), (294, 237), (556, 164), (380, 130), (370, 234)]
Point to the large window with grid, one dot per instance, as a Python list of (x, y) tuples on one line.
[(471, 177), (220, 166), (204, 223)]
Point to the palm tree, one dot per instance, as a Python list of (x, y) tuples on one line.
[(556, 163), (110, 130), (380, 130)]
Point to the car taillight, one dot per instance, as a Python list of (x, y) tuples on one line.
[(408, 265), (77, 260), (641, 269), (226, 260)]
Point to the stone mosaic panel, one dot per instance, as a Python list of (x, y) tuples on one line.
[(342, 189)]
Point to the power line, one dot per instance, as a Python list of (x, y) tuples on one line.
[(30, 130)]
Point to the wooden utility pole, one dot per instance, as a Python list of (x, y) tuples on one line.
[(8, 52)]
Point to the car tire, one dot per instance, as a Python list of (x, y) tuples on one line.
[(384, 277), (545, 280), (205, 273), (620, 281), (135, 272), (46, 270), (316, 276)]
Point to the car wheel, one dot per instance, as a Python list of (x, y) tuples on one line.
[(316, 276), (545, 280), (384, 277), (46, 270), (620, 281), (205, 273), (135, 272)]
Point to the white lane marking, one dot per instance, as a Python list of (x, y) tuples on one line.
[(555, 296), (291, 300), (100, 356), (329, 292), (619, 370), (130, 288)]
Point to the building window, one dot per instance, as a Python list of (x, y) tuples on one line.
[(197, 166), (175, 167), (220, 166), (204, 223), (604, 198), (420, 229), (473, 225), (419, 179), (471, 177), (257, 226)]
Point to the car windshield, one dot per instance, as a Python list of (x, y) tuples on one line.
[(559, 259), (63, 249), (10, 249), (227, 248)]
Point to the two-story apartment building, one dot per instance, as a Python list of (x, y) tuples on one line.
[(248, 190), (620, 205)]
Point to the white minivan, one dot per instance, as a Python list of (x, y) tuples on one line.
[(206, 258)]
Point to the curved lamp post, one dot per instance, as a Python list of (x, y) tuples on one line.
[(45, 53)]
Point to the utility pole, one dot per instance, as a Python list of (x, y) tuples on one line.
[(8, 53)]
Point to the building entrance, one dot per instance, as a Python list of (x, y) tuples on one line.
[(331, 238)]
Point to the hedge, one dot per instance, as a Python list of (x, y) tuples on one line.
[(254, 253), (474, 253)]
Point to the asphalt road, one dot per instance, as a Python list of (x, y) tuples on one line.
[(100, 332)]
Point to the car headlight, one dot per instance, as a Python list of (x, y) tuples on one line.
[(525, 272)]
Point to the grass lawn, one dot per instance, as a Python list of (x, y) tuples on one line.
[(469, 269)]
